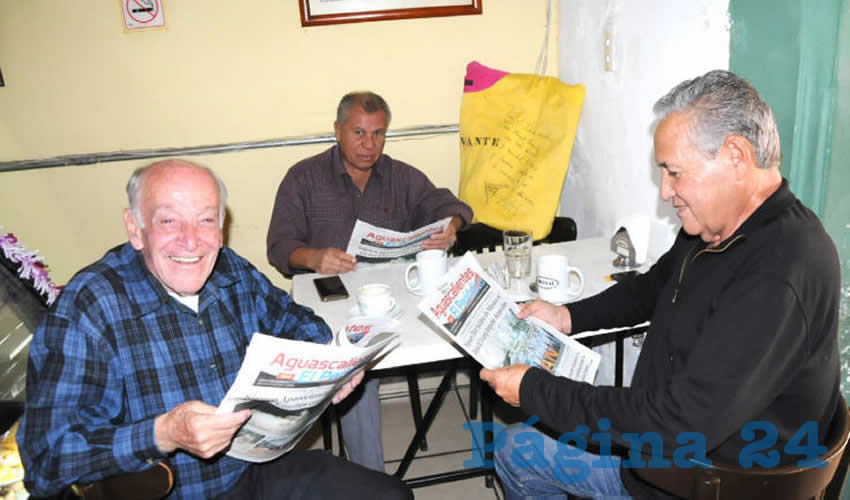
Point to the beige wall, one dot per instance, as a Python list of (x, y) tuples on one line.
[(221, 72)]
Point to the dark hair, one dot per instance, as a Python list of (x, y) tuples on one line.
[(369, 101)]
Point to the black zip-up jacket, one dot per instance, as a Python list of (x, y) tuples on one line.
[(744, 331)]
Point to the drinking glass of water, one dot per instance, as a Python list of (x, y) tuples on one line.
[(517, 246)]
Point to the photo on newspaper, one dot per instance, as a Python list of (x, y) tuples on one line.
[(480, 317), (287, 384), (371, 243)]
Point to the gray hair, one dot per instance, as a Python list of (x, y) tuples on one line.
[(369, 101), (722, 104), (134, 187)]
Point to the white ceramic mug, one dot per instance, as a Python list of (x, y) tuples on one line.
[(553, 278), (430, 268), (375, 300)]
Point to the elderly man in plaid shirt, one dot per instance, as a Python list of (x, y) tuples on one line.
[(129, 364)]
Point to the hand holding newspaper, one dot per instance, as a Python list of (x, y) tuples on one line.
[(481, 318), (288, 384), (375, 244)]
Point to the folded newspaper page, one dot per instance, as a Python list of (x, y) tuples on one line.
[(480, 316), (287, 384), (364, 331), (375, 244)]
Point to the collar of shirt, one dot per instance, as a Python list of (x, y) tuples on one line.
[(772, 207), (379, 168)]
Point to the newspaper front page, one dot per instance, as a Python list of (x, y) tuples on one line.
[(287, 384), (480, 316), (375, 244)]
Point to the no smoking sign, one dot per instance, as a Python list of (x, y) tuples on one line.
[(141, 14)]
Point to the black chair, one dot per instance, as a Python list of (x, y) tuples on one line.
[(10, 412), (150, 484), (478, 236), (725, 481)]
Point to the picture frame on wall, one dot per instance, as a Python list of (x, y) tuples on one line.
[(324, 12)]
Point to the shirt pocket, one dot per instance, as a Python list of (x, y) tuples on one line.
[(386, 217), (327, 207)]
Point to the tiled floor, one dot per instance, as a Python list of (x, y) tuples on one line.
[(449, 444)]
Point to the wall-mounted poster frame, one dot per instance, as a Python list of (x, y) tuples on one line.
[(322, 12)]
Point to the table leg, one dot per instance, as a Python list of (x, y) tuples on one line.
[(618, 362), (416, 404), (474, 390), (487, 395), (430, 414), (327, 436), (339, 436)]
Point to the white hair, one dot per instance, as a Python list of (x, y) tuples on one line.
[(722, 103), (134, 187)]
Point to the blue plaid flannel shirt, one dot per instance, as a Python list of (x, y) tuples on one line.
[(116, 350)]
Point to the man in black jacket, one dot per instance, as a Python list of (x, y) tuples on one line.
[(742, 347)]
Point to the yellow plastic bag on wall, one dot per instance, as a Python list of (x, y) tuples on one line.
[(516, 136)]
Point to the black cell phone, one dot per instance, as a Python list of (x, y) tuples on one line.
[(330, 288), (623, 276)]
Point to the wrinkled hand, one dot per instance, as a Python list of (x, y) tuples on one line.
[(557, 316), (444, 240), (332, 261), (347, 388), (505, 381), (194, 426)]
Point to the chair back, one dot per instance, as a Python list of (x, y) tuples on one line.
[(724, 481), (149, 484), (479, 237)]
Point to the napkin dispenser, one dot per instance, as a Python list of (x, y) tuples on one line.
[(621, 245), (630, 242)]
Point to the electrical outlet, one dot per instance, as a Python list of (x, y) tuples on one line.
[(608, 51), (2, 83)]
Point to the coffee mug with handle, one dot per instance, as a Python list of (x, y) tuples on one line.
[(430, 267), (554, 280)]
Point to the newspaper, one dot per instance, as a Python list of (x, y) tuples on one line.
[(375, 244), (287, 384), (480, 316), (364, 330)]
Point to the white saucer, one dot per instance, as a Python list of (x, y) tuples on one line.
[(394, 313), (418, 294), (532, 289)]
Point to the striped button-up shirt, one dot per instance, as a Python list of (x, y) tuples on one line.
[(115, 351), (317, 204)]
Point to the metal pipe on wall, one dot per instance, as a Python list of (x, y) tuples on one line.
[(141, 154)]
